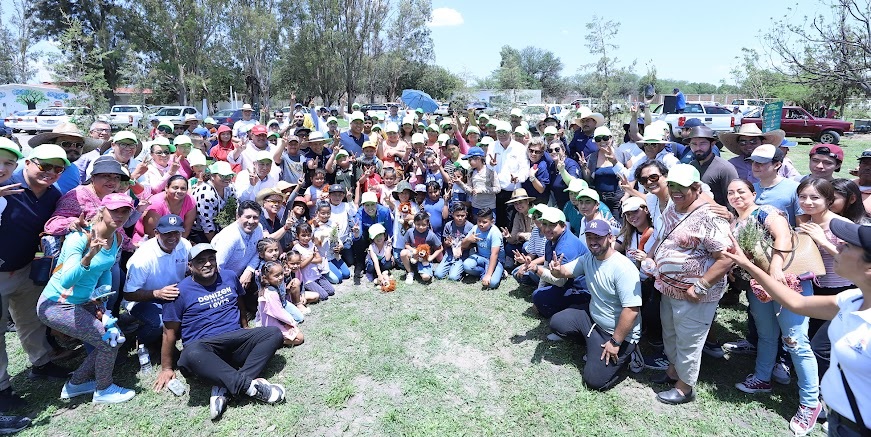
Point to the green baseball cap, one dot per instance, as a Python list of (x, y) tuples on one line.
[(49, 151), (7, 145)]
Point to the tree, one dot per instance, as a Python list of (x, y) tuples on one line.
[(255, 35), (29, 97), (434, 80), (19, 44), (407, 41), (613, 81), (510, 75), (543, 68), (821, 50), (81, 67)]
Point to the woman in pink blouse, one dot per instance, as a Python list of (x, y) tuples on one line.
[(174, 200)]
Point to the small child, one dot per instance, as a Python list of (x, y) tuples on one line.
[(419, 193), (328, 241), (532, 252), (404, 209), (454, 255), (9, 156), (369, 214), (269, 251), (487, 262), (436, 206), (312, 272), (379, 257), (457, 177), (316, 191), (483, 184), (521, 224), (271, 304), (421, 234), (390, 179), (293, 285)]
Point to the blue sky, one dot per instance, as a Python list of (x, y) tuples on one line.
[(697, 43)]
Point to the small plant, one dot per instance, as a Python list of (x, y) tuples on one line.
[(749, 237), (227, 214)]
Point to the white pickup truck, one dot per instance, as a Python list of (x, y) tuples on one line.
[(718, 118), (123, 116)]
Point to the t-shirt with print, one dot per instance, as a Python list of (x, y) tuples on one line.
[(414, 239), (457, 233), (487, 240), (292, 167), (206, 311)]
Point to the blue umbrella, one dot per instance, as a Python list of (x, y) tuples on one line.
[(419, 99)]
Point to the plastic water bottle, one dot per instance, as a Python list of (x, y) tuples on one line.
[(144, 359)]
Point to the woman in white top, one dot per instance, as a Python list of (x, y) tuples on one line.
[(846, 386)]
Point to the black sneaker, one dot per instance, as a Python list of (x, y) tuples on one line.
[(9, 400), (49, 370), (266, 392), (13, 424)]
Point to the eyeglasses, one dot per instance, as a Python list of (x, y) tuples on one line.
[(535, 152), (58, 169), (602, 138), (70, 144), (554, 150), (652, 178), (98, 129), (272, 201), (126, 145), (226, 178), (161, 153)]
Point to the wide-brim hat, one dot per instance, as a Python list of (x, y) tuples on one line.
[(730, 139), (585, 112), (700, 132), (107, 164), (404, 185), (271, 191), (518, 195), (64, 130)]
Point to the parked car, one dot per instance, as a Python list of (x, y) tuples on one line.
[(49, 118), (745, 105), (718, 118), (797, 122), (176, 114), (23, 121), (122, 116), (229, 117)]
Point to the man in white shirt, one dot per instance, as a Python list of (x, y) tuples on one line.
[(247, 119), (245, 155), (153, 274), (512, 167), (262, 174)]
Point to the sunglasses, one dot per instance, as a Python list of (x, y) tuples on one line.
[(69, 144), (161, 153), (535, 152), (554, 150), (227, 177), (165, 130), (652, 178), (602, 138), (48, 167)]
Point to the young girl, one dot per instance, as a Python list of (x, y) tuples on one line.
[(379, 257), (328, 240), (436, 206), (271, 304), (456, 178), (316, 191), (312, 272), (483, 185), (404, 220), (293, 285), (269, 250), (385, 191)]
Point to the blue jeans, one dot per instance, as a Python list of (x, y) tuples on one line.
[(528, 278), (476, 265), (383, 265), (150, 316), (551, 299), (450, 267), (772, 321), (294, 312), (338, 271)]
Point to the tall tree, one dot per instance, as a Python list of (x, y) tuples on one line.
[(21, 41), (543, 68), (510, 75), (407, 41), (255, 37), (606, 73), (80, 67)]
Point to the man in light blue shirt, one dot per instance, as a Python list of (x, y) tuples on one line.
[(236, 247)]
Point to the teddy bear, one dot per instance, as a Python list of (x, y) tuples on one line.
[(408, 218), (113, 335), (388, 284), (422, 253)]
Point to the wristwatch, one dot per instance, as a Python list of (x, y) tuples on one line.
[(614, 342)]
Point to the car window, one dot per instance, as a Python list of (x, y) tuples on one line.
[(224, 113), (534, 110), (168, 112), (125, 109), (53, 112), (717, 110), (738, 102), (693, 108)]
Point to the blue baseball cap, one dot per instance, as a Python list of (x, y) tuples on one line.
[(473, 152), (201, 131), (787, 143), (170, 223), (691, 123)]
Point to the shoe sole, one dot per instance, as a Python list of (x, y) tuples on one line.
[(751, 391), (96, 401), (75, 395), (218, 411)]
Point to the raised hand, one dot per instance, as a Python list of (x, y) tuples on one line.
[(581, 160), (78, 224), (505, 233), (10, 189), (493, 160), (556, 262), (252, 177)]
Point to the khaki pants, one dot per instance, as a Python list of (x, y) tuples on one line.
[(19, 295), (685, 327)]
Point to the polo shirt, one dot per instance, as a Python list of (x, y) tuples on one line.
[(581, 143), (206, 311), (23, 220), (717, 173), (570, 247), (382, 215), (237, 250), (150, 268), (69, 179), (352, 144)]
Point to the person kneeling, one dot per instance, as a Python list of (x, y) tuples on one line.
[(609, 323), (209, 317)]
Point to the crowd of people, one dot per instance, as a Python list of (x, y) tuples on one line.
[(223, 237)]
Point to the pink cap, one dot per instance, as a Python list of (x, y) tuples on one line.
[(258, 130), (117, 200)]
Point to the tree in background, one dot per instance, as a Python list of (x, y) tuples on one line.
[(543, 69), (81, 66), (407, 41), (607, 80), (17, 57)]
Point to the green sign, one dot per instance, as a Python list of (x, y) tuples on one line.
[(771, 116)]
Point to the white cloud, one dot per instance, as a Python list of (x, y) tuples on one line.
[(444, 17)]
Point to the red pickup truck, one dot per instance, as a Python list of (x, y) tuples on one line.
[(797, 122)]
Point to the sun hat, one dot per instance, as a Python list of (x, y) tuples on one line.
[(633, 203), (588, 192), (516, 112), (222, 168), (196, 157), (700, 132), (247, 107), (585, 112), (170, 223), (830, 150), (182, 139), (518, 195), (107, 164), (652, 136), (598, 227), (284, 186), (474, 152), (191, 117), (266, 192), (114, 201), (602, 130), (553, 215), (402, 186), (730, 139), (9, 146), (473, 129), (200, 248), (124, 135), (368, 197), (63, 130), (357, 116), (683, 174), (577, 185), (49, 151), (316, 137), (209, 120), (376, 230), (418, 138), (766, 153), (550, 130), (391, 127)]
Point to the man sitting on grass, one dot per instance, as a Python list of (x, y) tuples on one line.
[(609, 323), (209, 317)]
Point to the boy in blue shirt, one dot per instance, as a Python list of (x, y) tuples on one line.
[(421, 234), (370, 212), (452, 235), (487, 262)]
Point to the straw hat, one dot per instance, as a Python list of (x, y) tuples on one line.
[(518, 195), (585, 112), (64, 130), (730, 139)]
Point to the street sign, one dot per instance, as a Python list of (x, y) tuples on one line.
[(771, 116)]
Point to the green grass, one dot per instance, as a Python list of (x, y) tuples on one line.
[(437, 360)]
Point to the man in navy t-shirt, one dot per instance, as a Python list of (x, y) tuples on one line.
[(209, 318)]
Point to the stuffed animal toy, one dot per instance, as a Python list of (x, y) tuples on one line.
[(405, 211), (422, 253), (389, 284), (113, 335)]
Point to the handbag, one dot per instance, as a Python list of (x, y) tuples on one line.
[(45, 262), (804, 257)]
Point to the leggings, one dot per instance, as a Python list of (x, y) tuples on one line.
[(322, 287), (80, 321)]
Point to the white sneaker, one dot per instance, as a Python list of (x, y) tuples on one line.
[(217, 402), (780, 374), (636, 361), (113, 394), (409, 278), (554, 337), (71, 390)]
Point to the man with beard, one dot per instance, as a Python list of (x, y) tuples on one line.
[(71, 140), (153, 274), (582, 141), (296, 124), (715, 171), (209, 318), (744, 142), (556, 294), (609, 323)]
